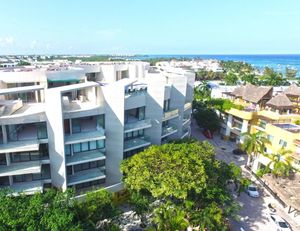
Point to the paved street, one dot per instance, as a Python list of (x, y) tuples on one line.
[(254, 211)]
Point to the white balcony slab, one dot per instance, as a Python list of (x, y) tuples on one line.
[(187, 106), (20, 146), (137, 125), (168, 130), (83, 157), (171, 114), (85, 176), (136, 143), (14, 90), (21, 168), (28, 188), (85, 136)]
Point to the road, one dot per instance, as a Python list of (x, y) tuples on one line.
[(253, 215)]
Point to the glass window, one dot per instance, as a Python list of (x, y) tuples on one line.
[(282, 143), (93, 164), (4, 181), (2, 159), (100, 144), (69, 170), (84, 146), (141, 113), (42, 131), (17, 178), (141, 132), (135, 134), (76, 128), (36, 176), (76, 148), (24, 157), (101, 121), (270, 138), (68, 150), (35, 156), (93, 145)]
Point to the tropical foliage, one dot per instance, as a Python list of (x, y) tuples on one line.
[(280, 164), (253, 144), (187, 183), (54, 211)]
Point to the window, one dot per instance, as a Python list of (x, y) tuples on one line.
[(282, 143), (76, 147), (76, 128), (2, 159), (41, 130), (29, 156), (4, 181), (270, 138), (134, 134), (93, 145), (89, 165), (68, 150), (141, 112), (84, 146), (101, 121), (167, 105)]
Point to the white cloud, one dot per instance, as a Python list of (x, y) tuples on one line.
[(7, 41)]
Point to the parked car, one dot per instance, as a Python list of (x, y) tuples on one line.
[(238, 152), (252, 191), (278, 223)]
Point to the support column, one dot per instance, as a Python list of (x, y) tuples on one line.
[(228, 126), (244, 129)]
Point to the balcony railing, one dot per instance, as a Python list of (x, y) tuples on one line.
[(187, 106), (135, 143), (86, 176), (21, 168), (137, 125), (83, 157), (168, 130), (85, 136), (170, 114)]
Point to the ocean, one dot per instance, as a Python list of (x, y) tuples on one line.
[(277, 62)]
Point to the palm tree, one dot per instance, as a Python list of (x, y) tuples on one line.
[(254, 144), (281, 163)]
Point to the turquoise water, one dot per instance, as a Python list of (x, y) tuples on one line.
[(278, 62)]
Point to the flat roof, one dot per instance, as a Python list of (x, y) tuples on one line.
[(21, 89)]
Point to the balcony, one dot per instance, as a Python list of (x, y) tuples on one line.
[(135, 143), (186, 121), (185, 133), (28, 188), (85, 136), (171, 114), (187, 106), (86, 176), (246, 114), (21, 168), (20, 146), (168, 130), (137, 125), (72, 106), (83, 157)]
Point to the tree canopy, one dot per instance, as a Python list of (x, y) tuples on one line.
[(187, 180)]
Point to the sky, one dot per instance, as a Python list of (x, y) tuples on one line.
[(150, 27)]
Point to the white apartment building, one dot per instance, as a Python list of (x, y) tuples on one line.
[(72, 126)]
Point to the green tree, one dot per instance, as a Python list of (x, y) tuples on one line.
[(280, 164), (231, 78), (272, 78), (290, 73), (185, 179), (254, 144), (207, 119), (52, 210), (97, 206)]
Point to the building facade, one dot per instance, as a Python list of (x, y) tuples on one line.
[(72, 125)]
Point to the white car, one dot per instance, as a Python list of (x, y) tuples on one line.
[(278, 223), (252, 191)]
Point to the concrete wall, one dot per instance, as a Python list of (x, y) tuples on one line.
[(114, 129), (55, 129)]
